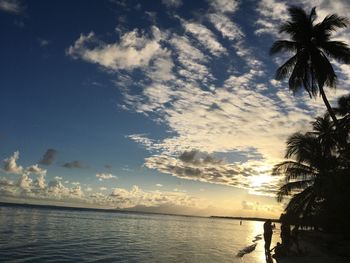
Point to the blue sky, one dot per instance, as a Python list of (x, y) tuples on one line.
[(166, 105)]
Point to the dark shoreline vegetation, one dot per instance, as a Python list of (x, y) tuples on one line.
[(317, 165)]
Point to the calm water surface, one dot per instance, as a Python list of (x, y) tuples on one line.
[(43, 235)]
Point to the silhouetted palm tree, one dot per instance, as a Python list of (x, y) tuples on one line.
[(309, 67), (317, 172), (311, 161), (343, 110)]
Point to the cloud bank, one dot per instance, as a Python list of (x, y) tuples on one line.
[(213, 90)]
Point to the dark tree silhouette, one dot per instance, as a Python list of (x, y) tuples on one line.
[(317, 172), (309, 161), (311, 43)]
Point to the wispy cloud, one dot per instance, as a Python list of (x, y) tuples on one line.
[(11, 6), (172, 3), (205, 37), (224, 6), (251, 175), (134, 50), (43, 42), (105, 176)]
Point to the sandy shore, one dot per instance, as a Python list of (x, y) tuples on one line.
[(316, 249)]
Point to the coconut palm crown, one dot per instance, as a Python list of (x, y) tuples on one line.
[(312, 162), (311, 44)]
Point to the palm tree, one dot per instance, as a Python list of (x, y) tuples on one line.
[(343, 110), (311, 43), (311, 160)]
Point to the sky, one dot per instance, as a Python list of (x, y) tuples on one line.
[(165, 106)]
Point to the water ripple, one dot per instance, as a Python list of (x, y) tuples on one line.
[(38, 235)]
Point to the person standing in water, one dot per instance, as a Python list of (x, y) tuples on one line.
[(267, 235)]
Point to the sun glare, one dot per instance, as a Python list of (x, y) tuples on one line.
[(259, 180)]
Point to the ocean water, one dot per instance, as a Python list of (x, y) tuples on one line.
[(45, 235)]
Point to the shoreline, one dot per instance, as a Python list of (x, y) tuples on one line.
[(317, 247)]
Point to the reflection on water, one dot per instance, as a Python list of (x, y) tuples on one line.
[(36, 235)]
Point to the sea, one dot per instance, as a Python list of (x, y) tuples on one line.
[(30, 234)]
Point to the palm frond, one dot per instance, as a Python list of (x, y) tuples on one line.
[(283, 45), (313, 14), (337, 50), (294, 170), (322, 125), (287, 188), (332, 23), (298, 19), (323, 69), (304, 148), (343, 105), (301, 202), (297, 14), (284, 70), (298, 78)]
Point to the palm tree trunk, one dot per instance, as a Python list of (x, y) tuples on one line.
[(329, 108)]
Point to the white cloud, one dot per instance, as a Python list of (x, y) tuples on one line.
[(134, 199), (105, 176), (205, 37), (226, 27), (40, 182), (249, 175), (191, 59), (77, 191), (271, 14), (210, 97), (43, 42), (35, 169), (11, 6), (172, 3), (119, 197), (224, 6), (6, 181), (134, 50), (137, 197), (10, 164), (24, 182)]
